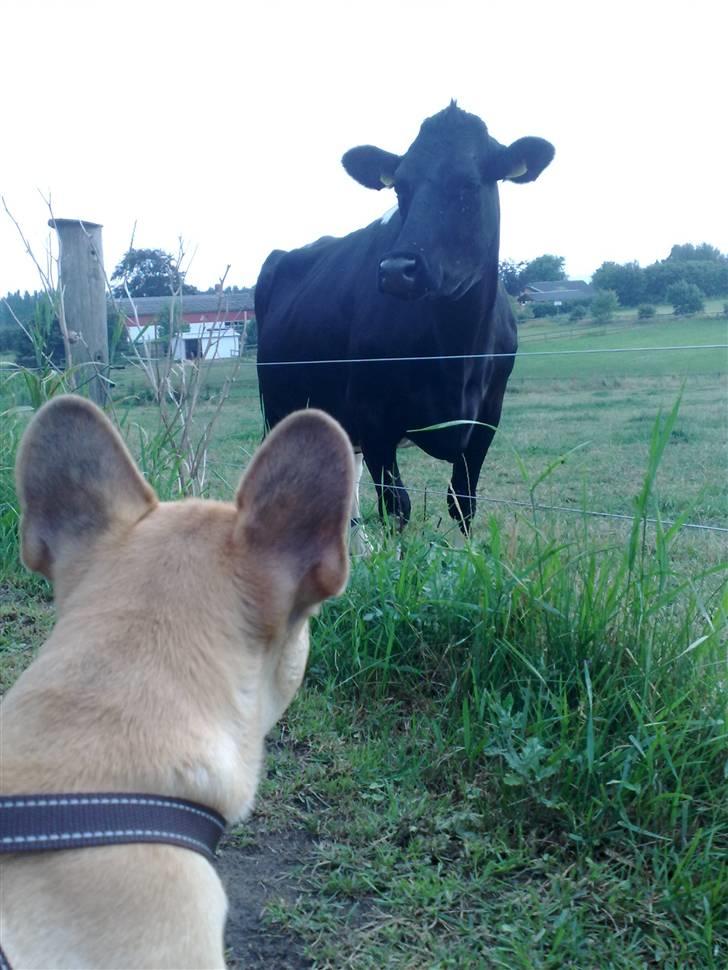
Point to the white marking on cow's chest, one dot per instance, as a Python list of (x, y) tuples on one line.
[(388, 215)]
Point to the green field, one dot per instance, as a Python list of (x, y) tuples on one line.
[(511, 755), (601, 404)]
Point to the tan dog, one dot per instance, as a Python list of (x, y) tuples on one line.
[(182, 636)]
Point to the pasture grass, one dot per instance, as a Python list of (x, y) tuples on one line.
[(531, 767), (653, 334), (603, 406), (511, 754)]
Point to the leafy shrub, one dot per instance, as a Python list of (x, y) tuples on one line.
[(523, 312), (541, 310), (604, 305), (685, 297), (249, 335), (646, 310), (578, 313)]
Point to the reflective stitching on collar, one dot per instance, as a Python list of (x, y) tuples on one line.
[(111, 833), (121, 800)]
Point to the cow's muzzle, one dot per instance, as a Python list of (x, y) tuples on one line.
[(402, 276)]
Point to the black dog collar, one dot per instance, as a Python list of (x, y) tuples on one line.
[(39, 823)]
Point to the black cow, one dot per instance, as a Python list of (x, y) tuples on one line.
[(420, 284)]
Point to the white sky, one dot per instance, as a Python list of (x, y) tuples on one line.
[(224, 122)]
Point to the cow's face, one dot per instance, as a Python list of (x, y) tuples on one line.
[(447, 192)]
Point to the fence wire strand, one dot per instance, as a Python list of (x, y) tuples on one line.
[(251, 361), (528, 353), (514, 503), (535, 353), (402, 360)]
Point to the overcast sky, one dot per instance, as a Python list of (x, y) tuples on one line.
[(224, 122)]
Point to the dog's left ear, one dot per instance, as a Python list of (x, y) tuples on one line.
[(294, 507), (75, 480)]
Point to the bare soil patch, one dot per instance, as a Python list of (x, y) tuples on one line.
[(253, 875)]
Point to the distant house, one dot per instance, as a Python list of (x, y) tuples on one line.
[(208, 325), (556, 292)]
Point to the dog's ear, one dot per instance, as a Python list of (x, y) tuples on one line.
[(75, 480), (294, 507)]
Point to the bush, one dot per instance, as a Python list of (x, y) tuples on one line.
[(646, 310), (604, 305), (524, 311), (685, 297), (541, 310), (578, 313), (248, 335)]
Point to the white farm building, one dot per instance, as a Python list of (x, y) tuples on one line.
[(207, 325)]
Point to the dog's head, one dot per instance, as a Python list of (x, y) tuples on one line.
[(202, 578)]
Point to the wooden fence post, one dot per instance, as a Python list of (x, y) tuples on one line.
[(83, 283)]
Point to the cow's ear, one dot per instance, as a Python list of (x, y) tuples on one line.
[(371, 167), (294, 506), (523, 161), (75, 480)]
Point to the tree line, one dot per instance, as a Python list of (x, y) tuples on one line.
[(685, 278), (28, 326), (703, 266)]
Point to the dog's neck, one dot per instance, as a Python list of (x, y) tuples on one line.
[(111, 710)]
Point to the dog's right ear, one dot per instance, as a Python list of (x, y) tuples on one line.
[(75, 480), (294, 507)]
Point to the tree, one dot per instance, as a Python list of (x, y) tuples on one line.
[(515, 277), (39, 341), (543, 268), (149, 272), (709, 275), (657, 278), (685, 297), (626, 279), (687, 252), (604, 305), (509, 272), (704, 266)]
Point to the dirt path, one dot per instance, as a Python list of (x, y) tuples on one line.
[(253, 875)]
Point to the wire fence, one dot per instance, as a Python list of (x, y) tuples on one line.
[(571, 510), (514, 503), (481, 497), (252, 361), (492, 356)]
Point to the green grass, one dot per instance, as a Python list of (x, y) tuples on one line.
[(416, 866), (603, 405), (513, 754), (535, 773), (657, 333)]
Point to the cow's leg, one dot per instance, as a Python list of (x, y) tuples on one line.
[(461, 499), (359, 541), (392, 498)]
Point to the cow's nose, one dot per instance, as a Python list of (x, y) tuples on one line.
[(398, 276)]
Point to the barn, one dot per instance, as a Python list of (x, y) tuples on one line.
[(207, 325), (556, 292)]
